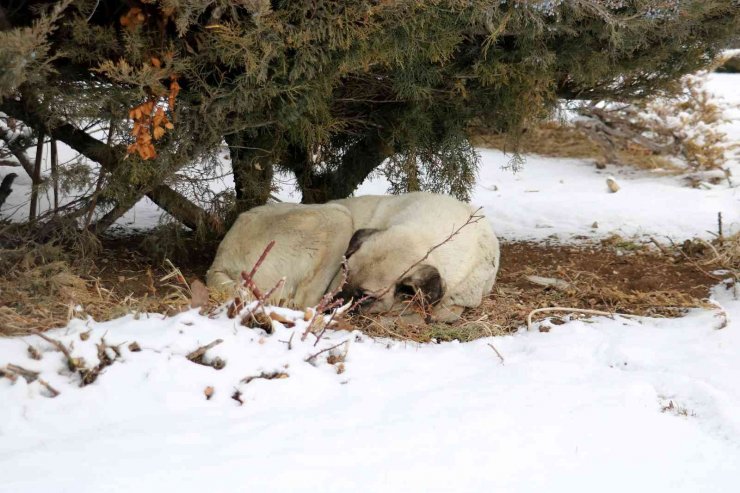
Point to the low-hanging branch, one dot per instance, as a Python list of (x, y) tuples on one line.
[(109, 157)]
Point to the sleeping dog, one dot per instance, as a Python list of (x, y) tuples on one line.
[(392, 236), (387, 242)]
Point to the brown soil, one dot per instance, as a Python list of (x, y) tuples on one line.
[(640, 272), (613, 276), (628, 279)]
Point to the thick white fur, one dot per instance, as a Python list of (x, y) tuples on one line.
[(310, 241), (410, 225)]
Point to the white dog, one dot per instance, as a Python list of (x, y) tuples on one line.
[(309, 243), (394, 233)]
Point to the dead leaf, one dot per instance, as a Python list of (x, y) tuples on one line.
[(158, 133), (279, 318), (198, 293), (208, 392)]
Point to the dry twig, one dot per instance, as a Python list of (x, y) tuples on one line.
[(28, 375), (72, 363), (497, 353), (314, 356), (573, 310), (197, 355), (267, 376)]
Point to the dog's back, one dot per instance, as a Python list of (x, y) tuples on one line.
[(309, 243)]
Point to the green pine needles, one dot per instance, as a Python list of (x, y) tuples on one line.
[(329, 91)]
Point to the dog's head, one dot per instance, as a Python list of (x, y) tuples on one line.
[(382, 271)]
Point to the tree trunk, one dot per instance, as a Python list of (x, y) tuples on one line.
[(20, 155), (36, 177), (55, 172), (253, 170), (356, 165)]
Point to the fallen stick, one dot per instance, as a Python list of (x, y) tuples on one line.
[(694, 263), (660, 247), (313, 357), (29, 375), (497, 353), (289, 342), (72, 363), (574, 310), (196, 355), (54, 392), (267, 376)]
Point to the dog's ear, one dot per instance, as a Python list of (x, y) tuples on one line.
[(425, 278), (357, 239)]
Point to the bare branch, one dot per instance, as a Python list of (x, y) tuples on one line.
[(197, 355), (573, 310), (497, 353), (314, 356)]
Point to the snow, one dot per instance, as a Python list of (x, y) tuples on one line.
[(579, 408), (563, 198), (599, 404)]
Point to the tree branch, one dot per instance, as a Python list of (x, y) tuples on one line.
[(109, 158)]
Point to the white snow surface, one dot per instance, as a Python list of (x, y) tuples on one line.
[(583, 407), (563, 198), (609, 405)]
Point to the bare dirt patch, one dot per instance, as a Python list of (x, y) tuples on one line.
[(622, 278), (44, 288)]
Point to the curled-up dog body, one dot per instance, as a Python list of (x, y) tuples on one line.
[(392, 269), (310, 241)]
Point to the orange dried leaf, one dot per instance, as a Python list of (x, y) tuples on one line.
[(156, 62), (158, 133), (159, 117), (169, 126)]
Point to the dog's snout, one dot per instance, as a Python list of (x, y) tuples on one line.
[(348, 293)]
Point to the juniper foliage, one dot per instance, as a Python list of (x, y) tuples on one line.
[(329, 90)]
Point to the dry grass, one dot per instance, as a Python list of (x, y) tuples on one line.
[(547, 139), (45, 286), (507, 308), (556, 139), (44, 289), (670, 133), (617, 276)]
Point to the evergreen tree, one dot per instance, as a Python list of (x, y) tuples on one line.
[(327, 90)]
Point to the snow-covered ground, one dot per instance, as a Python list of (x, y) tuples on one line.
[(599, 405), (592, 405)]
